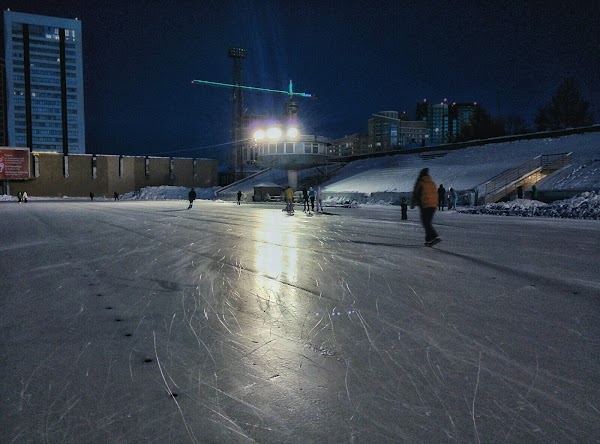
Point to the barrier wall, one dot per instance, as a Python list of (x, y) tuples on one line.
[(103, 175)]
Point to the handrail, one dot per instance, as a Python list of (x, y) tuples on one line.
[(245, 179), (508, 181)]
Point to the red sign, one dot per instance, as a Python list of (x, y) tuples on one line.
[(14, 163)]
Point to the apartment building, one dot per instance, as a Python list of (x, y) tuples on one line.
[(44, 83)]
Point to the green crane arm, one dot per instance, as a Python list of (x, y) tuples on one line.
[(290, 92)]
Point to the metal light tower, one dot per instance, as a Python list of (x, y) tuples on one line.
[(237, 158)]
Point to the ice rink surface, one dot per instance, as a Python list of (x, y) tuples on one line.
[(131, 322)]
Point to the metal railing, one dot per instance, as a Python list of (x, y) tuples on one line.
[(524, 176)]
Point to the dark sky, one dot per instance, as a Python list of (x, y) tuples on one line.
[(358, 56)]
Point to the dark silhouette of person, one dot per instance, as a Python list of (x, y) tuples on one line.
[(116, 196), (441, 197), (239, 196), (191, 197), (404, 207), (424, 196), (311, 195), (305, 199), (91, 196)]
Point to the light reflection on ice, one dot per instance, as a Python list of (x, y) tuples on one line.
[(276, 250)]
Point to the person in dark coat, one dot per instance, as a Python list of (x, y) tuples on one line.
[(425, 196), (441, 197), (311, 195), (191, 197), (239, 197), (404, 207), (116, 196), (305, 199)]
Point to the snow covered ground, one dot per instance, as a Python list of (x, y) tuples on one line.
[(466, 168)]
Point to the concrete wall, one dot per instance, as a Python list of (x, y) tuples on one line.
[(110, 177)]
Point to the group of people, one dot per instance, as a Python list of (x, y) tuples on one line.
[(425, 196), (450, 198), (309, 197), (22, 196)]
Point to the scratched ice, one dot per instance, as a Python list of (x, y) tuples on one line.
[(143, 321)]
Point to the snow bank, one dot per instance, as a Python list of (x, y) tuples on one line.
[(583, 206), (169, 193)]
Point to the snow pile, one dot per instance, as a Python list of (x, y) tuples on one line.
[(583, 206), (169, 193), (340, 202)]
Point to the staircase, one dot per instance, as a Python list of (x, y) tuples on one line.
[(324, 173), (525, 175)]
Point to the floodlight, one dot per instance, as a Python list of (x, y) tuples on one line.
[(274, 133), (292, 132), (259, 134)]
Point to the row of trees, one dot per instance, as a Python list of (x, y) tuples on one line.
[(566, 109)]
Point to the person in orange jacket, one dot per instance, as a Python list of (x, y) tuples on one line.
[(425, 196), (289, 200)]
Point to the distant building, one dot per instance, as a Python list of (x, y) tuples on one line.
[(413, 134), (353, 145), (383, 131), (444, 121), (438, 122), (44, 83), (461, 115), (3, 131)]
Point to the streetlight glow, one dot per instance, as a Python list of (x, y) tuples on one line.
[(292, 132), (274, 133)]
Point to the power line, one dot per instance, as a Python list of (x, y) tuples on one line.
[(202, 147)]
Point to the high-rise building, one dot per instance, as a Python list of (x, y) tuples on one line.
[(445, 122), (44, 83), (461, 116), (383, 131), (3, 135)]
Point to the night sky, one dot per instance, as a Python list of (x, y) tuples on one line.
[(358, 57)]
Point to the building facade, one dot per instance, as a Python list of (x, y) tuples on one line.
[(353, 145), (444, 121), (3, 132), (461, 115), (383, 131), (44, 83)]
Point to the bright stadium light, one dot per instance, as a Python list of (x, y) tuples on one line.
[(259, 134), (292, 132), (274, 133)]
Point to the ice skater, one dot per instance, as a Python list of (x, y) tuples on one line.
[(311, 196), (425, 197), (305, 199), (191, 197), (404, 207), (239, 196), (319, 200), (289, 200), (441, 197), (453, 199)]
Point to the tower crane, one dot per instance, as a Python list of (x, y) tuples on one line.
[(291, 109)]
